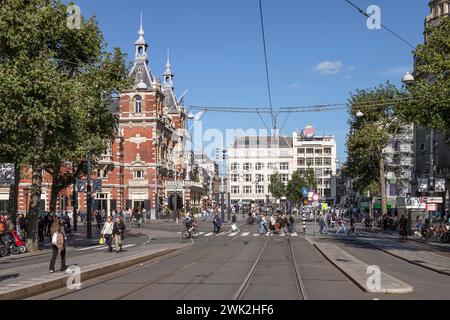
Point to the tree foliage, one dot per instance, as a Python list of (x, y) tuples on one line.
[(54, 89), (370, 134), (430, 94), (276, 187)]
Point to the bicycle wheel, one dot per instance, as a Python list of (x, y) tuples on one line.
[(185, 234), (195, 233)]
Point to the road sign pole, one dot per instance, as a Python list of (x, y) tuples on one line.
[(304, 222)]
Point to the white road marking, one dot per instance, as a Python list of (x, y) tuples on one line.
[(233, 234), (282, 234), (209, 234), (92, 247), (295, 234), (220, 234), (126, 246), (245, 234), (200, 233), (256, 234)]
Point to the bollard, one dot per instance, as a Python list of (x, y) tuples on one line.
[(304, 223)]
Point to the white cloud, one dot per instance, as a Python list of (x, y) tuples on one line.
[(396, 71), (294, 85), (328, 67)]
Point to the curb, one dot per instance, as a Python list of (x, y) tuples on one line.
[(88, 273), (357, 283)]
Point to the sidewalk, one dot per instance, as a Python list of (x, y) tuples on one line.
[(30, 280), (358, 271)]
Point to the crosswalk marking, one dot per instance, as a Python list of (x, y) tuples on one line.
[(91, 247), (209, 234), (200, 233), (233, 234), (125, 246), (282, 234), (245, 234), (295, 234)]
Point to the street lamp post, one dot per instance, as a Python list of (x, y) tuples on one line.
[(89, 197)]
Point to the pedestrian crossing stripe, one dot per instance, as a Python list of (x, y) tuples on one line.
[(200, 233), (91, 247), (125, 246), (245, 234), (233, 234), (209, 234)]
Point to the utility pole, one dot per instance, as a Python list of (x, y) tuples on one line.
[(74, 206), (89, 197)]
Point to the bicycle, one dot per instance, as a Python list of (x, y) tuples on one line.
[(136, 223), (190, 232)]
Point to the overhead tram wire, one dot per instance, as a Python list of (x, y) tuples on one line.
[(274, 119), (382, 25)]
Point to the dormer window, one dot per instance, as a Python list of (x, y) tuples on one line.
[(138, 104)]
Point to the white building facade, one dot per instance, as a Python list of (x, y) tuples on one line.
[(251, 162), (319, 154)]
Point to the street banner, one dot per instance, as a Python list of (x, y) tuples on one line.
[(81, 185), (7, 173), (423, 184), (439, 185), (98, 185)]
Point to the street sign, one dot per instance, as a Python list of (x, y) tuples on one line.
[(433, 200), (7, 173), (304, 191), (166, 201), (98, 185), (316, 197), (439, 185), (431, 207), (411, 203), (81, 185)]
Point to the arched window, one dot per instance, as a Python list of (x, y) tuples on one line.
[(138, 104)]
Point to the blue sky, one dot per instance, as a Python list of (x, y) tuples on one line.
[(318, 52)]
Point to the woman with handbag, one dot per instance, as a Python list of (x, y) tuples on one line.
[(118, 231), (107, 232), (58, 245)]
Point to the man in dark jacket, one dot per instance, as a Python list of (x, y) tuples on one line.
[(118, 232)]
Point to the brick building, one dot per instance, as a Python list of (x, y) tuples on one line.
[(148, 149)]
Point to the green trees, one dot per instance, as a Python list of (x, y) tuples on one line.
[(370, 133), (276, 186), (430, 94), (54, 84), (297, 182)]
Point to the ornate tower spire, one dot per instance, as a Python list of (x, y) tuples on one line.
[(168, 74), (141, 44)]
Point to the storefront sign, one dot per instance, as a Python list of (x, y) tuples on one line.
[(431, 206), (433, 200)]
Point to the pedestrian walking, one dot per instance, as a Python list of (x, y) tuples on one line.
[(217, 223), (107, 232), (341, 223), (403, 222), (352, 224), (291, 222), (325, 222), (41, 226), (58, 245), (118, 231)]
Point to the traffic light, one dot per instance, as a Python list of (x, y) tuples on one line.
[(224, 154)]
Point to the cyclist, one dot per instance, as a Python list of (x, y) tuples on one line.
[(188, 222)]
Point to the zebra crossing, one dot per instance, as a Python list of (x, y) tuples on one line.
[(246, 234)]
